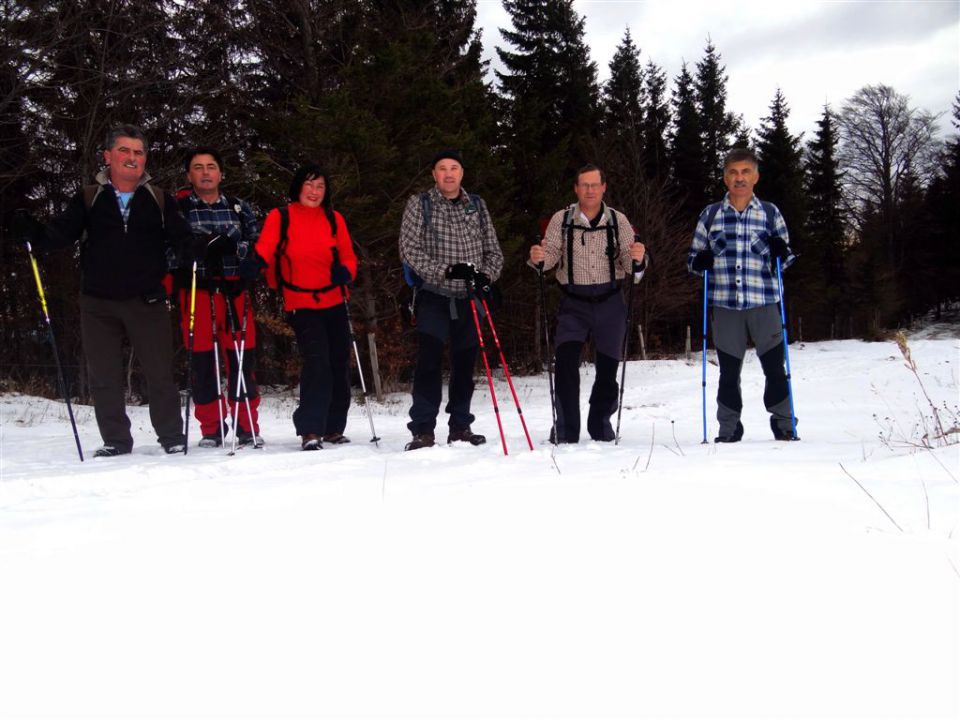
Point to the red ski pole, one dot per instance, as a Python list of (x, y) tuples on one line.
[(486, 365), (506, 370)]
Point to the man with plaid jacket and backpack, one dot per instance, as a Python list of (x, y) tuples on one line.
[(450, 250)]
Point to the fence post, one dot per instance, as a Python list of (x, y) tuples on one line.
[(375, 366)]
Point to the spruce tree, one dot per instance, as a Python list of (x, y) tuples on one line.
[(943, 206), (690, 177), (621, 143), (550, 99), (623, 92), (781, 171), (717, 125), (656, 122), (826, 222)]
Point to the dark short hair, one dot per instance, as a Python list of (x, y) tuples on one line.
[(740, 154), (591, 168), (190, 154), (312, 171), (119, 131)]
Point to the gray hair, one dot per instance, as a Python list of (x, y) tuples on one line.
[(741, 154), (119, 131)]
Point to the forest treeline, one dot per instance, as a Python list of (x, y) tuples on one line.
[(371, 88)]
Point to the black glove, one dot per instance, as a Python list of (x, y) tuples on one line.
[(778, 248), (23, 227), (482, 284), (220, 246), (461, 271), (251, 266), (339, 274), (703, 260)]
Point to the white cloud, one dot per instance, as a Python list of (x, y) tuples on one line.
[(815, 51)]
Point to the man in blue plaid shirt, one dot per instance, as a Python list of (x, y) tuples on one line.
[(224, 229), (739, 240)]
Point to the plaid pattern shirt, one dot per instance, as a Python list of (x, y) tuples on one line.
[(743, 275), (459, 231), (226, 216), (590, 263)]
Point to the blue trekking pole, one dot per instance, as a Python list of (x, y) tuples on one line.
[(786, 351), (703, 381)]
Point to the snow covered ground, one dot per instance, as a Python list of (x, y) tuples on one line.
[(660, 578)]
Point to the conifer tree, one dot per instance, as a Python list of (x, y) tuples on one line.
[(550, 98), (623, 92), (781, 171), (717, 124), (826, 223), (686, 148), (656, 122), (943, 206), (621, 144)]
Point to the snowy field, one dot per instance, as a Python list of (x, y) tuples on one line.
[(659, 579)]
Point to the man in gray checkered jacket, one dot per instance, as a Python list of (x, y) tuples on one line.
[(448, 242), (595, 251)]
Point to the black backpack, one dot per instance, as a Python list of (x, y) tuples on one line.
[(280, 253), (426, 209)]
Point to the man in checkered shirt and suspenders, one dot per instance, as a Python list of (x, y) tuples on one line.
[(739, 240), (595, 251)]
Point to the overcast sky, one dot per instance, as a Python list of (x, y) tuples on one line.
[(817, 52)]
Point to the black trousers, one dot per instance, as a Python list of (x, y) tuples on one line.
[(603, 396), (324, 341), (441, 319)]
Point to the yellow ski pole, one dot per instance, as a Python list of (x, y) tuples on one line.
[(53, 344), (193, 308)]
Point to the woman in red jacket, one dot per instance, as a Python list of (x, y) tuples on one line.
[(307, 253)]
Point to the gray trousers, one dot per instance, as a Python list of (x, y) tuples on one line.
[(103, 325), (730, 331)]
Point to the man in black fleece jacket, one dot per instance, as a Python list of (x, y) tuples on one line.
[(130, 229)]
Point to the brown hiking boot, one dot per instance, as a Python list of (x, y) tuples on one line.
[(421, 440), (311, 441), (336, 439), (465, 435)]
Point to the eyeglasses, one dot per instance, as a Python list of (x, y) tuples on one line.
[(591, 186)]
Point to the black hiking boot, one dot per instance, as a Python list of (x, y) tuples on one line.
[(735, 437), (781, 434), (246, 438), (421, 440), (465, 435), (110, 451), (561, 440)]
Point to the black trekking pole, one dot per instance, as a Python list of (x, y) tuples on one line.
[(53, 345), (625, 348), (549, 349), (356, 353), (703, 374), (190, 341)]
